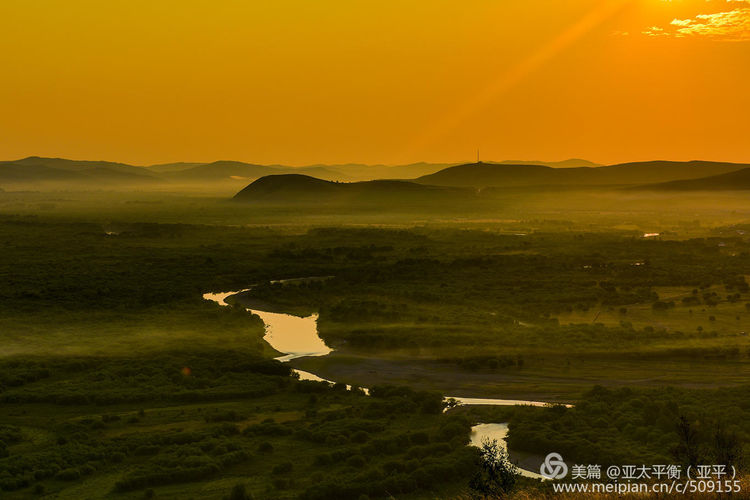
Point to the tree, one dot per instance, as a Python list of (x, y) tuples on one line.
[(239, 493), (687, 451), (727, 447), (497, 474)]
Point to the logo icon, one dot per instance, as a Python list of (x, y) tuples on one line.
[(553, 467)]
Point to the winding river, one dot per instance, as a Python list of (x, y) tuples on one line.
[(298, 337)]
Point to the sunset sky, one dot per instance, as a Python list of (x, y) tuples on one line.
[(386, 81)]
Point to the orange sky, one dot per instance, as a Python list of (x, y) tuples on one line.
[(386, 81)]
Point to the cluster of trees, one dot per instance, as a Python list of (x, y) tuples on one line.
[(9, 434), (482, 287), (622, 426), (169, 377), (182, 463), (420, 288), (419, 476), (365, 311), (397, 440), (442, 288)]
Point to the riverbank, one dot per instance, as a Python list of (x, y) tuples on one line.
[(429, 375), (246, 300), (294, 334)]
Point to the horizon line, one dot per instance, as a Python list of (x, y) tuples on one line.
[(389, 165)]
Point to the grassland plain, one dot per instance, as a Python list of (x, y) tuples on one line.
[(118, 379)]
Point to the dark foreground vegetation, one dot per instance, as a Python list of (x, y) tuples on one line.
[(118, 380), (626, 426), (177, 421)]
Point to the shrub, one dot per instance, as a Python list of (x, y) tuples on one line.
[(70, 474), (265, 447), (357, 461), (284, 468), (239, 493)]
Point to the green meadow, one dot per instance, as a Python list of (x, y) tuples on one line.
[(117, 380)]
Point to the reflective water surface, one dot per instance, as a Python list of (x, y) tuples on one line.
[(497, 432), (293, 335), (298, 336)]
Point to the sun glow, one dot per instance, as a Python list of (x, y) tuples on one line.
[(513, 76), (301, 82)]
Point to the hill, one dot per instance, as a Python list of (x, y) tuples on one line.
[(65, 164), (664, 171), (235, 170), (738, 180), (332, 172), (221, 170), (481, 175), (571, 163), (81, 165), (173, 167), (226, 170), (59, 173), (229, 176), (35, 170), (286, 186), (18, 173), (291, 188), (362, 172)]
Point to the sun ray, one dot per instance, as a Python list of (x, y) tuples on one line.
[(508, 79)]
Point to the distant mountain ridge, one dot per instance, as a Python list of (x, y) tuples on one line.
[(738, 180), (75, 165), (481, 175), (285, 188), (571, 163), (40, 171), (34, 171)]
